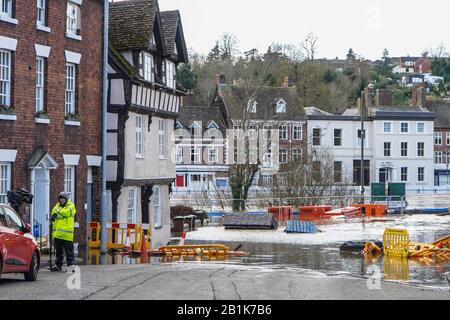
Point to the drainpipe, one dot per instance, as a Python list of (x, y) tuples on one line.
[(104, 201)]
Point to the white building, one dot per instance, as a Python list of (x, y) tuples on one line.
[(143, 106), (399, 145)]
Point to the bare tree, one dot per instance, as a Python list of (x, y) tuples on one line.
[(309, 46)]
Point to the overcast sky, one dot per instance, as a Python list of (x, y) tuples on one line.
[(405, 27)]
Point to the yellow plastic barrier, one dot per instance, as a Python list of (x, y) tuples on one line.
[(117, 236), (94, 235), (396, 242), (211, 250)]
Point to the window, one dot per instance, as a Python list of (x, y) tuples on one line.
[(438, 138), (148, 67), (267, 158), (420, 127), (267, 131), (252, 104), (212, 155), (40, 17), (139, 137), (12, 220), (157, 206), (383, 176), (297, 132), (283, 132), (70, 89), (131, 211), (73, 19), (337, 137), (162, 139), (283, 156), (357, 172), (404, 149), (6, 7), (153, 40), (195, 154), (281, 106), (421, 149), (387, 149), (448, 138), (5, 181), (361, 137), (267, 180), (69, 181), (317, 133), (404, 174), (316, 168), (170, 74), (5, 78), (39, 84), (296, 154), (179, 155), (404, 127), (421, 174), (438, 157), (338, 171), (387, 127)]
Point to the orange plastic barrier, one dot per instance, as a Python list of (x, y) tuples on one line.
[(282, 214), (372, 210), (311, 213)]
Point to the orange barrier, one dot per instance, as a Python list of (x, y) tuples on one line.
[(282, 214), (311, 213), (118, 233), (372, 210)]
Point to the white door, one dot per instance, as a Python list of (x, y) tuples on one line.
[(41, 199)]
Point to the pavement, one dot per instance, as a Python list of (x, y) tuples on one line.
[(200, 281)]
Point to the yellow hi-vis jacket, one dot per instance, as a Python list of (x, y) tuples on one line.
[(63, 226)]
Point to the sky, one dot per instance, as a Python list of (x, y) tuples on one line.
[(404, 27)]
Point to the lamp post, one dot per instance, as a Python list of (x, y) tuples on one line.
[(362, 145)]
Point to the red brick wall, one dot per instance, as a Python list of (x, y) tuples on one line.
[(24, 134)]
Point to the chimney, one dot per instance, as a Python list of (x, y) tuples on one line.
[(285, 82), (367, 98), (220, 79), (419, 98), (383, 97)]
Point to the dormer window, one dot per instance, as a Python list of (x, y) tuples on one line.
[(175, 49), (178, 125), (148, 67), (195, 128), (213, 125), (252, 105), (281, 106)]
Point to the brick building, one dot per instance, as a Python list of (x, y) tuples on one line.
[(50, 103)]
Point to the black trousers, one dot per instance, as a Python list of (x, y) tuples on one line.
[(62, 246)]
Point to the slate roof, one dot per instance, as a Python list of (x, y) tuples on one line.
[(267, 97), (442, 112), (131, 23), (313, 111), (169, 20), (203, 114)]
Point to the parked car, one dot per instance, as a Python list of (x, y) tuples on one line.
[(19, 251)]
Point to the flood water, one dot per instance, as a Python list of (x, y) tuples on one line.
[(318, 252)]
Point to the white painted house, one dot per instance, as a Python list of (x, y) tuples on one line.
[(399, 145), (146, 46)]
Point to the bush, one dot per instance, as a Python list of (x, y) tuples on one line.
[(180, 211)]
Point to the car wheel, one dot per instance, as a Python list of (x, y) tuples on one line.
[(31, 275)]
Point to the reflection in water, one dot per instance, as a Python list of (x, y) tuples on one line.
[(396, 268), (324, 258)]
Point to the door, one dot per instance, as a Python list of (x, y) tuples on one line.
[(20, 245), (41, 199), (384, 175)]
